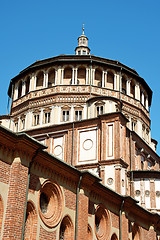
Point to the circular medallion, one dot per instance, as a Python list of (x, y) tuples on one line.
[(137, 193), (87, 144), (110, 181), (57, 150), (147, 193)]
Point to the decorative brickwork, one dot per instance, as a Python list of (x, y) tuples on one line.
[(5, 171), (45, 235), (70, 199)]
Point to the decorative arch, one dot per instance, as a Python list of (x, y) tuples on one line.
[(124, 84), (27, 80), (110, 80), (67, 79), (98, 77), (31, 222), (66, 229), (39, 80), (1, 212), (51, 77), (132, 88), (20, 89), (81, 75), (114, 237)]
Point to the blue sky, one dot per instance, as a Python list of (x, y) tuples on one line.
[(128, 31)]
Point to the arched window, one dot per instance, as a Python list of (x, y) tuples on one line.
[(98, 78), (81, 75), (67, 80), (114, 237), (31, 222), (1, 213), (110, 80), (39, 81), (20, 89), (132, 89), (124, 85), (27, 84), (51, 78), (66, 229)]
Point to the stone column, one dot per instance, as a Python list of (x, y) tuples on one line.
[(41, 117), (62, 75), (87, 70), (46, 77), (16, 92), (26, 121), (23, 87), (35, 82), (146, 103), (137, 91), (72, 113), (93, 76), (44, 80), (76, 76), (143, 97), (115, 81), (128, 87), (105, 79), (73, 76), (56, 74), (103, 73)]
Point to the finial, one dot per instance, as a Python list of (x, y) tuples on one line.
[(83, 28)]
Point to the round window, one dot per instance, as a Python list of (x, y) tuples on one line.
[(50, 203), (102, 223)]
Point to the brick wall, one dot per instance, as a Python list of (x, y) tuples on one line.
[(5, 171), (15, 201), (46, 235)]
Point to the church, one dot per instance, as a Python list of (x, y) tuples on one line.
[(77, 160)]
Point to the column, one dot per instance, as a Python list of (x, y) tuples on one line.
[(146, 103), (46, 77), (23, 88), (16, 92), (87, 76), (56, 73), (115, 81), (35, 81), (44, 80), (19, 123), (103, 73), (128, 87), (137, 91), (26, 121), (84, 116), (76, 76), (72, 113), (62, 75), (73, 76), (41, 117), (52, 115), (93, 76), (143, 97), (105, 79)]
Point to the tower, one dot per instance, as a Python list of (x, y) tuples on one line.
[(82, 48)]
